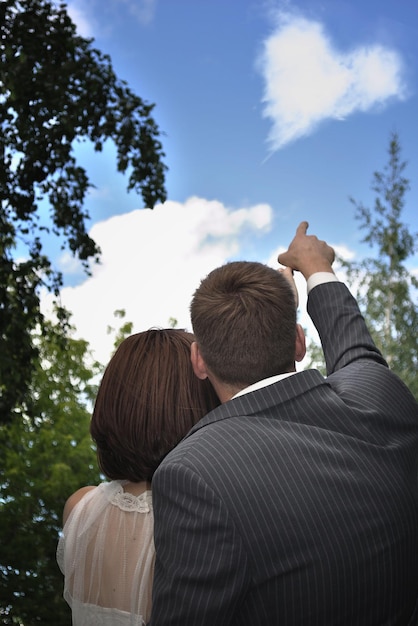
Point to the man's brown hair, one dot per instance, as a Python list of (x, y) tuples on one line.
[(148, 399), (244, 320)]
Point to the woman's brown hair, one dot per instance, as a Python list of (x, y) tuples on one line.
[(148, 399)]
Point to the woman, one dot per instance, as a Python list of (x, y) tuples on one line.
[(148, 399)]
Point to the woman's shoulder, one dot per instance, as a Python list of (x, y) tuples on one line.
[(121, 493), (74, 499)]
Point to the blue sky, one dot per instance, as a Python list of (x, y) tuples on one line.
[(273, 112)]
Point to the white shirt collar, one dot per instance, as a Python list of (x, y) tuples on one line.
[(262, 383)]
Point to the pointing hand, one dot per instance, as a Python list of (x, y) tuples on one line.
[(307, 254)]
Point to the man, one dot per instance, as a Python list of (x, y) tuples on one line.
[(295, 502)]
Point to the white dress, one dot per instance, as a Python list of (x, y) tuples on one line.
[(106, 553)]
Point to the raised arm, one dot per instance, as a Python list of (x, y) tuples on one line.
[(341, 327), (334, 311)]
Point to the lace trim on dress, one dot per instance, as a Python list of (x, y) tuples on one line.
[(128, 502)]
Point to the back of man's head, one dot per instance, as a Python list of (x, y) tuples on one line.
[(244, 319)]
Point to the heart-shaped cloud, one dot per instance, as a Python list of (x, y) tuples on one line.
[(307, 80)]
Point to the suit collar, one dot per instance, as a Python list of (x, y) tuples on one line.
[(260, 400)]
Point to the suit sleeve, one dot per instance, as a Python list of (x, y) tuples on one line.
[(341, 327), (201, 569)]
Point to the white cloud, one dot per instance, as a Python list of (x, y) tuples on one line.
[(151, 263), (78, 14), (307, 80), (68, 264), (344, 252), (83, 14), (142, 10)]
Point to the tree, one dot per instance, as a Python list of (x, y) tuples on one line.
[(55, 89), (316, 357), (43, 461), (383, 285)]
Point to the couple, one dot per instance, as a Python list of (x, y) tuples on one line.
[(293, 501)]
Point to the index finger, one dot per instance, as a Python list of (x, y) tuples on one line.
[(302, 228)]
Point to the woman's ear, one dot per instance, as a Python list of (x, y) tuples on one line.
[(198, 364), (300, 348)]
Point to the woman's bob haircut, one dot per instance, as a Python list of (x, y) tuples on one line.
[(149, 398)]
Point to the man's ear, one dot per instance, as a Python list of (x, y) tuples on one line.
[(198, 364), (300, 348)]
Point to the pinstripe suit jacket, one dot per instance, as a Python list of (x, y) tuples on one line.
[(296, 504)]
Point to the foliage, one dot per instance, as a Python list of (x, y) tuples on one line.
[(55, 89), (43, 461), (316, 357), (123, 331), (385, 286), (385, 289)]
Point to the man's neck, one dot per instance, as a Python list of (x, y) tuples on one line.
[(228, 392)]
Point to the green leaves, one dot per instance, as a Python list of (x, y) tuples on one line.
[(384, 285), (45, 457), (55, 89)]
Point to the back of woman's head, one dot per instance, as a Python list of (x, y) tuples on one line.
[(148, 399)]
